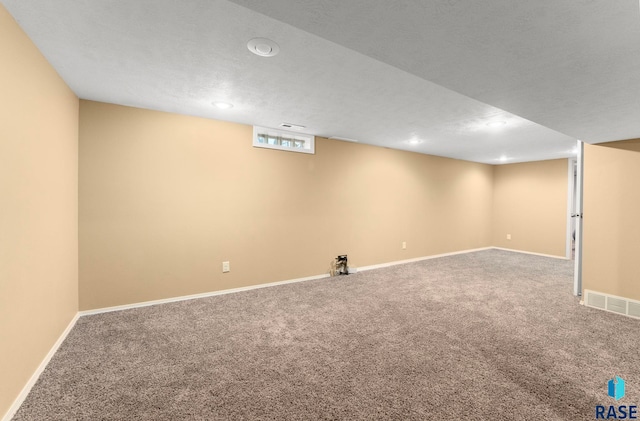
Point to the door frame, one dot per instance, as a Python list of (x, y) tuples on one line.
[(577, 273), (571, 203)]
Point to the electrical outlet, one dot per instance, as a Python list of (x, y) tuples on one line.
[(508, 236), (404, 245), (226, 267)]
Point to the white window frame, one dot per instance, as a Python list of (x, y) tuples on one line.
[(307, 139)]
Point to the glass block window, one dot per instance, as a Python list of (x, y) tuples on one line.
[(283, 140)]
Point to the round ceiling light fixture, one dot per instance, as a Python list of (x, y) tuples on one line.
[(414, 141), (263, 47), (223, 105), (496, 123)]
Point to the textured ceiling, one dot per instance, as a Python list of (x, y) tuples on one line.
[(571, 65), (377, 71)]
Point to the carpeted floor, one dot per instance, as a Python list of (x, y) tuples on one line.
[(489, 335)]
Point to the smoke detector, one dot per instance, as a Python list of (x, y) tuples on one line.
[(263, 47)]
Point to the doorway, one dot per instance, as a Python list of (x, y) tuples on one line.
[(575, 220)]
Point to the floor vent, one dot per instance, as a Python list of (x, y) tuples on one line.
[(596, 300), (612, 303), (634, 310)]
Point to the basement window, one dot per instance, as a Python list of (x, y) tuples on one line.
[(283, 140)]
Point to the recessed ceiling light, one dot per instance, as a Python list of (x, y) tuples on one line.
[(414, 141), (223, 105), (496, 123), (263, 47), (503, 158)]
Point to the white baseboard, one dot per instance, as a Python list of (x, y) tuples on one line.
[(271, 284), (418, 259), (34, 377), (196, 296), (27, 388), (530, 252)]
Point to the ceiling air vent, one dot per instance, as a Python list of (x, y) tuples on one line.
[(290, 126)]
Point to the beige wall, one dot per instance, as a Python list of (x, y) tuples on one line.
[(611, 251), (530, 203), (38, 213), (164, 199)]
